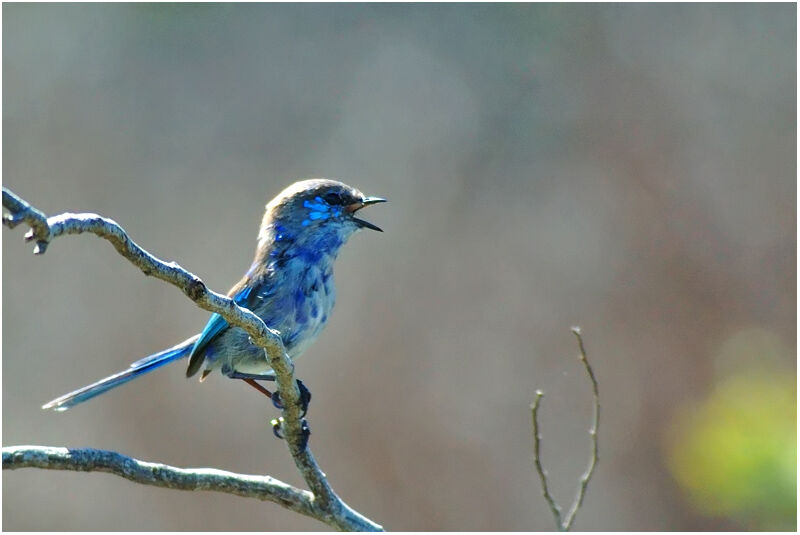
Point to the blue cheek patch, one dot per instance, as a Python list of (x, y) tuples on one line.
[(319, 206), (320, 210)]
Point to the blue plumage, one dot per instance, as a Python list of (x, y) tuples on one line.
[(216, 324), (136, 369), (289, 285)]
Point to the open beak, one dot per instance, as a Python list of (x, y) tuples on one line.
[(355, 207)]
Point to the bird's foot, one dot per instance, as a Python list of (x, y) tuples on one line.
[(277, 425), (305, 398), (277, 430)]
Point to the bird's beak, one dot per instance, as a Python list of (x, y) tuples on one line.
[(355, 207)]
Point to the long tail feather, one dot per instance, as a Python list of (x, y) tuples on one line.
[(136, 369)]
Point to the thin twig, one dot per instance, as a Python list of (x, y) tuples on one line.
[(537, 459), (565, 524), (592, 433), (44, 230)]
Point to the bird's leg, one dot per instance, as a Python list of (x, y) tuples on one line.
[(254, 384), (250, 378), (260, 377), (277, 423), (305, 398), (305, 394)]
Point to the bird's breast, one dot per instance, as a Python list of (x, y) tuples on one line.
[(311, 303)]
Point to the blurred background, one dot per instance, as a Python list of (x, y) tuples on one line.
[(627, 168)]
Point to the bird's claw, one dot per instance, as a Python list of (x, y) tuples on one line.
[(305, 398), (277, 430), (277, 424), (306, 433)]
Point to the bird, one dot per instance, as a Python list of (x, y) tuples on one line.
[(289, 286)]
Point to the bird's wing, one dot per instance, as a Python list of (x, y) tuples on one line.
[(216, 324)]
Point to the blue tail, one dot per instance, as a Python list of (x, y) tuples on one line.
[(140, 367)]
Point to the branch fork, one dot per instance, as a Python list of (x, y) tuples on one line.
[(565, 523)]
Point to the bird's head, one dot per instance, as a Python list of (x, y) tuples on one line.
[(318, 211)]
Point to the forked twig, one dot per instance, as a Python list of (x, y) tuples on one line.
[(565, 524)]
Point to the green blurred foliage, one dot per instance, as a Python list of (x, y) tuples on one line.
[(735, 453)]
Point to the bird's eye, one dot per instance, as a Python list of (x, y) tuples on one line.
[(333, 198)]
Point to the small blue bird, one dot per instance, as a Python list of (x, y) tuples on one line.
[(289, 286)]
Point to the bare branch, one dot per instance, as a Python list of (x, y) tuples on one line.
[(263, 488), (44, 230), (565, 524)]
